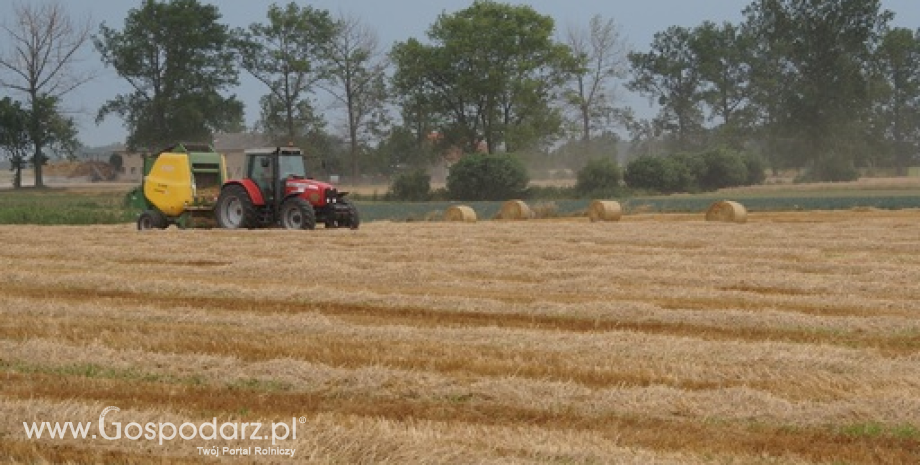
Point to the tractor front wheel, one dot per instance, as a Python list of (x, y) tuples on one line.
[(151, 219), (234, 208), (297, 213)]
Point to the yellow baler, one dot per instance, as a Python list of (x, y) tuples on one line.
[(180, 186), (169, 186)]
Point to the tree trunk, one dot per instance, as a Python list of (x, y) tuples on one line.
[(289, 114), (37, 162), (354, 160), (353, 135)]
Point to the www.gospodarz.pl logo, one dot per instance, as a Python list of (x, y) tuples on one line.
[(168, 431)]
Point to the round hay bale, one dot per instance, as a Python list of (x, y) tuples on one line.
[(515, 210), (605, 210), (727, 211), (460, 213)]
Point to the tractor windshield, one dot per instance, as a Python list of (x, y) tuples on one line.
[(291, 165)]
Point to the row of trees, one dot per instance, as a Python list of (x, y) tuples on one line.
[(820, 84), (807, 83)]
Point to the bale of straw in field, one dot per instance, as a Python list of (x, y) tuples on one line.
[(460, 213), (727, 211), (605, 210), (515, 210)]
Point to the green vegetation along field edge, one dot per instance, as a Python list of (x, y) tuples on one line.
[(75, 207), (63, 207)]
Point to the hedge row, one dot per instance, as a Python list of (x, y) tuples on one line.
[(699, 172), (495, 177)]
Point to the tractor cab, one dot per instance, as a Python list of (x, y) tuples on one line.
[(277, 191), (271, 169)]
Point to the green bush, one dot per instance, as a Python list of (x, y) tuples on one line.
[(487, 177), (412, 186), (685, 172), (116, 161), (681, 173), (756, 169), (829, 170), (691, 168), (599, 177), (645, 172), (836, 170), (723, 168), (656, 174)]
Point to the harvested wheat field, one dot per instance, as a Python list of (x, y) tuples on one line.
[(793, 338)]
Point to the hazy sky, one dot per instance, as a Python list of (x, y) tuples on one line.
[(396, 21)]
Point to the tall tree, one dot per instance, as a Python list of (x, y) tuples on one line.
[(768, 103), (896, 115), (357, 80), (820, 52), (44, 124), (725, 74), (670, 75), (492, 70), (401, 150), (45, 44), (602, 54), (178, 58), (421, 109), (289, 54), (14, 137)]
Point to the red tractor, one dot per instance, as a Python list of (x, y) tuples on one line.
[(277, 192)]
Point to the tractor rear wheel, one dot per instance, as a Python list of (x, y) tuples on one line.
[(151, 219), (234, 208), (353, 219), (297, 213)]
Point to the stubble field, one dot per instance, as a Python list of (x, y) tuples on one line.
[(794, 338)]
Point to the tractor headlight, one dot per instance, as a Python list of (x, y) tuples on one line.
[(331, 196)]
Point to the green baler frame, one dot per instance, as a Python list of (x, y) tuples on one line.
[(203, 160)]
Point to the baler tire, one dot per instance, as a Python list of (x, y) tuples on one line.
[(297, 213), (237, 199), (151, 219)]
